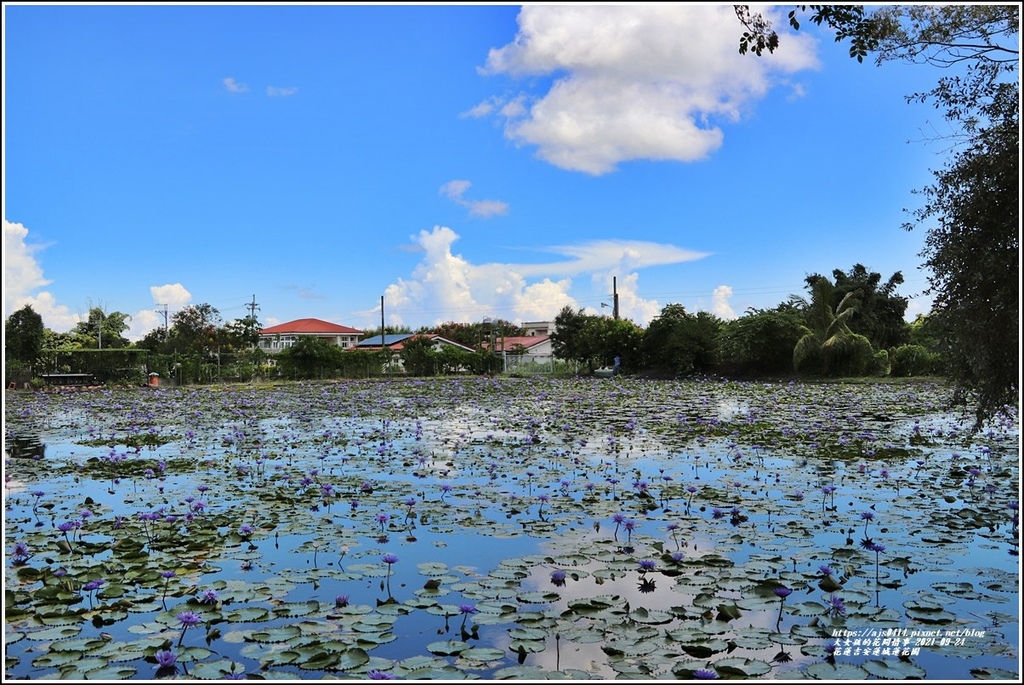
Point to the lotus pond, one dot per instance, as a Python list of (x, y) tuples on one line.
[(482, 528)]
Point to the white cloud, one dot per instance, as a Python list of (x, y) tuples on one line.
[(23, 277), (720, 302), (454, 190), (234, 86), (174, 295), (445, 286), (275, 91), (633, 81), (22, 274)]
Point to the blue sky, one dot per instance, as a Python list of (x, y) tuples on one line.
[(463, 162)]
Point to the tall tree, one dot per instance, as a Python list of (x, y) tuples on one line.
[(880, 308), (829, 347), (681, 343), (23, 336), (194, 329), (574, 338), (971, 211), (102, 330), (762, 341)]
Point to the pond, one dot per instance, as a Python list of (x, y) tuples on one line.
[(509, 528)]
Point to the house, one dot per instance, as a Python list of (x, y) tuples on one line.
[(534, 345), (396, 341), (282, 336), (539, 327)]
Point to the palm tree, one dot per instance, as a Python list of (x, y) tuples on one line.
[(828, 346)]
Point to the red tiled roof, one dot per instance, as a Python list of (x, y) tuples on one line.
[(310, 327), (510, 342)]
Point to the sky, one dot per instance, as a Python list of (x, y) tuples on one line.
[(460, 162)]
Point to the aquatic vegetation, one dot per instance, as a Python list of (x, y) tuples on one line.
[(497, 495)]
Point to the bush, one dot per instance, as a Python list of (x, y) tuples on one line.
[(880, 365), (914, 360)]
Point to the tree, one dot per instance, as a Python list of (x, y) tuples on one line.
[(419, 358), (973, 253), (829, 347), (619, 338), (241, 334), (194, 329), (972, 242), (23, 336), (101, 330), (762, 341), (574, 339), (681, 343), (310, 357), (880, 309)]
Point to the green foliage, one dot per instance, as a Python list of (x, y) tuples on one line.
[(126, 366), (762, 341), (914, 360), (23, 336), (101, 330), (972, 248), (880, 309), (311, 357), (880, 364), (573, 339), (681, 343), (419, 358), (194, 329)]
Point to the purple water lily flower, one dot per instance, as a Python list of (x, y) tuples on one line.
[(165, 658)]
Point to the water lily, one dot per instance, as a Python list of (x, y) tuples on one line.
[(20, 554), (165, 658), (187, 619), (558, 577), (705, 674), (781, 591), (867, 517), (836, 606), (466, 610)]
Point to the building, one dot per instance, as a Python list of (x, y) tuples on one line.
[(282, 336), (539, 327), (396, 341)]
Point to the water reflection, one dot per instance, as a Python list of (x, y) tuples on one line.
[(24, 447)]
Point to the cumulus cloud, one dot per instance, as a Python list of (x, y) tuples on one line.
[(234, 86), (446, 286), (23, 279), (454, 190), (720, 302), (632, 82), (281, 92)]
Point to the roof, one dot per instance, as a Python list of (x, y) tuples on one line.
[(509, 342), (310, 327), (389, 340), (396, 341)]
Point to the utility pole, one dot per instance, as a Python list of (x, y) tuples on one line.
[(252, 307), (383, 353), (615, 300), (164, 312)]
